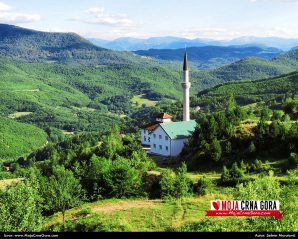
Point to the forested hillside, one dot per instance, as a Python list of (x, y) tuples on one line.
[(107, 182), (18, 139), (79, 98), (247, 92), (211, 56), (34, 46)]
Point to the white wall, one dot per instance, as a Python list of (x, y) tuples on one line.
[(177, 146), (145, 135), (174, 146), (162, 146), (164, 120)]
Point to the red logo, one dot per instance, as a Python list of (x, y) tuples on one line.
[(216, 205), (244, 208)]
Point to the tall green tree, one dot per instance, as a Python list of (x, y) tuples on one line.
[(124, 180), (112, 144), (215, 150), (65, 190), (182, 182)]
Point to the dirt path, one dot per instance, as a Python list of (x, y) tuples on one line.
[(122, 206)]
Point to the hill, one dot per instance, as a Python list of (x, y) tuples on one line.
[(247, 92), (69, 98), (18, 139), (21, 43), (256, 68), (211, 56), (79, 98)]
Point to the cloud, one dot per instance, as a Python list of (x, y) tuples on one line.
[(99, 16), (4, 7), (9, 15), (232, 33), (112, 34)]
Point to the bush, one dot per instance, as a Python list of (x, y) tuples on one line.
[(182, 184), (20, 209), (84, 212), (259, 167), (293, 159), (151, 185), (6, 175), (236, 172), (234, 175), (167, 184), (204, 186), (175, 185), (124, 181)]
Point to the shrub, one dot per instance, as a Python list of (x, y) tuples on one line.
[(236, 172), (175, 185), (233, 176), (6, 175), (20, 209), (204, 186), (225, 176), (293, 159), (182, 184), (124, 181), (84, 212), (259, 167)]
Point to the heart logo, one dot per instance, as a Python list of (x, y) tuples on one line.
[(216, 205)]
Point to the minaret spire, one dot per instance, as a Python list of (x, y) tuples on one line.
[(185, 62), (186, 86)]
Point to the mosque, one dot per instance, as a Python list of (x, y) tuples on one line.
[(165, 137)]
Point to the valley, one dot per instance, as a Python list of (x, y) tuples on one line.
[(70, 147)]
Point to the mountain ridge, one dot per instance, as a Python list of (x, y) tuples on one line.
[(171, 42), (211, 56), (31, 45)]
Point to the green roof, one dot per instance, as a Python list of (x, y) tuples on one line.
[(179, 130)]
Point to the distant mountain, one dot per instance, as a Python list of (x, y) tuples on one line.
[(211, 56), (135, 44), (30, 45), (247, 92), (111, 73), (277, 42)]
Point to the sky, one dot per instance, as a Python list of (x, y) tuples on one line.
[(111, 19)]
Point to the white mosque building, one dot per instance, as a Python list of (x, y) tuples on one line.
[(165, 137)]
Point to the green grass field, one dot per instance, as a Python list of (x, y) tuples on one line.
[(136, 215), (8, 182), (140, 100), (19, 115)]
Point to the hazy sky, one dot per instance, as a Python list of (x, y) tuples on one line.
[(109, 19)]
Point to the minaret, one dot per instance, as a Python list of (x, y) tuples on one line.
[(186, 86)]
